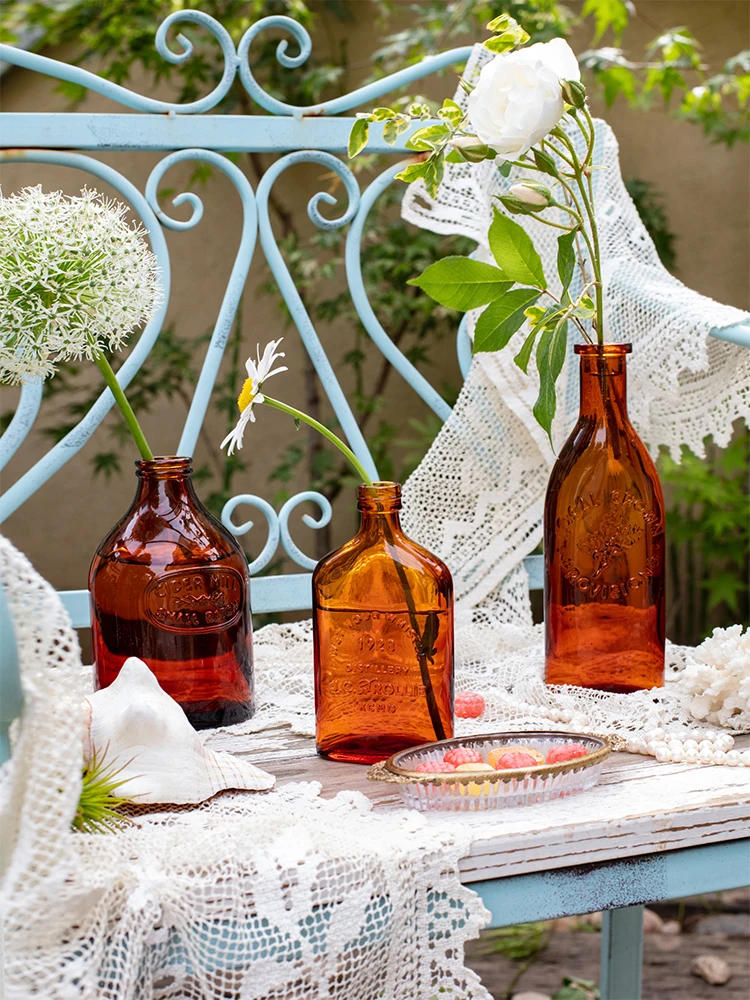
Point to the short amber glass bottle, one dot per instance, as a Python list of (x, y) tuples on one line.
[(383, 639), (170, 585), (604, 543)]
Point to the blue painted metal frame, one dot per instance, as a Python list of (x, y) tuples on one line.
[(619, 888), (306, 134)]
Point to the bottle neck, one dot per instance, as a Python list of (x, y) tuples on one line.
[(379, 506), (165, 482), (603, 382)]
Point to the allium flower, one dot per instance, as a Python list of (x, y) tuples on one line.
[(257, 373), (75, 280)]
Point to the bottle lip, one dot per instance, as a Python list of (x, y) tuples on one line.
[(605, 350), (164, 466), (379, 496)]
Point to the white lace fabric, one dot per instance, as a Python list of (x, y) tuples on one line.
[(281, 895)]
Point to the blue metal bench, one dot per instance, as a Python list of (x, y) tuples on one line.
[(311, 134)]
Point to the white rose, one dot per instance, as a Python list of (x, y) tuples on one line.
[(518, 99)]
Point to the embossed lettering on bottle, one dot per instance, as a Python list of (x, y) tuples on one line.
[(383, 653), (604, 543), (201, 599)]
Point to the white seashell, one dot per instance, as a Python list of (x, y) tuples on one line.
[(142, 730)]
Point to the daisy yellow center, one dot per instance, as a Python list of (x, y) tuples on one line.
[(245, 397)]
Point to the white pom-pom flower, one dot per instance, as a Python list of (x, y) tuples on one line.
[(75, 280), (717, 675)]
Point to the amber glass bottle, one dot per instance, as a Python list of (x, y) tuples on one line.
[(604, 543), (170, 584), (383, 637)]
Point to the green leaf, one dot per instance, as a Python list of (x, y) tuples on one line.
[(585, 308), (617, 80), (566, 258), (412, 171), (724, 588), (502, 318), (434, 173), (393, 129), (550, 358), (381, 114), (513, 250), (501, 43), (607, 14), (461, 283), (451, 112), (358, 137), (427, 138), (540, 318), (504, 169), (453, 157)]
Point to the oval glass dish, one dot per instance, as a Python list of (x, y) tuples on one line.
[(467, 791)]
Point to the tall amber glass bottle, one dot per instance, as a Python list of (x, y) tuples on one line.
[(170, 585), (383, 637), (604, 543)]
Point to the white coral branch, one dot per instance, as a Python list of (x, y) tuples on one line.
[(717, 675)]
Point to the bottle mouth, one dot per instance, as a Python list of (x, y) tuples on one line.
[(605, 350), (381, 496), (164, 466)]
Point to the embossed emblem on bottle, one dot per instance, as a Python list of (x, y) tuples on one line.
[(604, 530), (200, 599)]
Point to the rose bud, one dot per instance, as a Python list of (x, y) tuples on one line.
[(533, 194), (574, 93)]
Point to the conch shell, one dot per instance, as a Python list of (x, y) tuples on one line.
[(137, 727)]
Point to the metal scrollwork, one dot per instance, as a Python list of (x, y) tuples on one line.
[(286, 539), (236, 62), (362, 303), (278, 525), (272, 518), (237, 278)]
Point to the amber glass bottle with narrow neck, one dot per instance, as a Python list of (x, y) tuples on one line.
[(383, 639), (604, 543), (170, 585)]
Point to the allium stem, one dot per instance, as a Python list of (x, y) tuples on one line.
[(127, 410)]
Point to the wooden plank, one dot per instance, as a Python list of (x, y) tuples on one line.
[(639, 807)]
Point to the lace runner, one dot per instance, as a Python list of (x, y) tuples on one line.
[(283, 895)]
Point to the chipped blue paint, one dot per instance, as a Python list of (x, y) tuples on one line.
[(621, 887)]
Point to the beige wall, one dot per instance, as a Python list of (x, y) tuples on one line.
[(705, 189)]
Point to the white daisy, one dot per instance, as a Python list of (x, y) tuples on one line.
[(257, 373)]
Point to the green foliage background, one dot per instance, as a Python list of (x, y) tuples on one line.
[(708, 522)]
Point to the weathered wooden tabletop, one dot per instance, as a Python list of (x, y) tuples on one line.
[(638, 807)]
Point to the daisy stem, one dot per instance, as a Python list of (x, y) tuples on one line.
[(311, 422), (127, 411)]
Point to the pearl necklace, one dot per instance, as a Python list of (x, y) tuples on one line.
[(701, 747)]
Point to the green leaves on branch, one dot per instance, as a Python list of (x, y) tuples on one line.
[(461, 283), (502, 318), (508, 34), (514, 251)]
